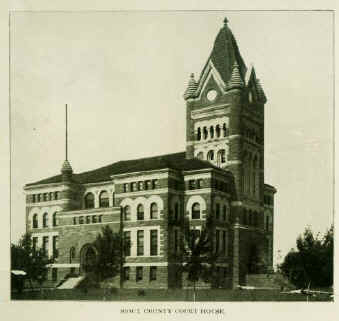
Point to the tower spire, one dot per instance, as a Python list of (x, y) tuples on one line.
[(66, 169), (66, 145)]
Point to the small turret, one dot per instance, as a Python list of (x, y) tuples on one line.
[(191, 88), (236, 82)]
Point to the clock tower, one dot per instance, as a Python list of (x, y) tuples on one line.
[(225, 126)]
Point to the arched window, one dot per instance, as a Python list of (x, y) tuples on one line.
[(221, 157), (71, 254), (200, 155), (205, 133), (224, 128), (45, 220), (217, 131), (35, 221), (55, 219), (127, 213), (211, 132), (210, 155), (89, 200), (104, 199), (199, 134), (196, 211), (154, 211), (140, 212)]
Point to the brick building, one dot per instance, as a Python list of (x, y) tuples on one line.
[(221, 175)]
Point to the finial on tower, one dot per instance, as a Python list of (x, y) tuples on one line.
[(225, 21), (66, 169)]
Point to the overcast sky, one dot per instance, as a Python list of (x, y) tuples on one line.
[(123, 76)]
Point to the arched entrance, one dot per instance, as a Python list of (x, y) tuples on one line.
[(88, 258)]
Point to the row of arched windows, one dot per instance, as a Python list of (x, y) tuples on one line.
[(45, 222), (103, 200), (213, 156), (154, 212), (212, 132)]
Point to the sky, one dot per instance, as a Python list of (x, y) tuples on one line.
[(123, 75)]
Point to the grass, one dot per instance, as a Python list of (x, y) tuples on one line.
[(167, 295)]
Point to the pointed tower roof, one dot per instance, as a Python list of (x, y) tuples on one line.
[(66, 167), (236, 82), (225, 53), (191, 88)]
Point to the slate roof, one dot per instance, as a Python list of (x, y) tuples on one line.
[(176, 161), (224, 54)]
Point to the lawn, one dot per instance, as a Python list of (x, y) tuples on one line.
[(167, 295)]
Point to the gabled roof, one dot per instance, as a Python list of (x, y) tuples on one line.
[(224, 54), (176, 161)]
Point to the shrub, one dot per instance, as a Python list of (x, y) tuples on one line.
[(141, 292)]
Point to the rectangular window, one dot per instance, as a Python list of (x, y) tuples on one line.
[(38, 196), (54, 274), (126, 273), (176, 241), (154, 242), (35, 243), (140, 242), (267, 223), (56, 195), (139, 273), (217, 211), (100, 218), (45, 244), (125, 187), (176, 211), (74, 220), (81, 220), (88, 219), (51, 196), (94, 219), (55, 246), (153, 273), (147, 185), (127, 240), (224, 242), (154, 183), (191, 184), (33, 198), (45, 197), (217, 240)]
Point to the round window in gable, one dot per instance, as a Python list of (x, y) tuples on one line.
[(211, 95)]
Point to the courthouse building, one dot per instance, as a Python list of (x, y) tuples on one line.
[(219, 175)]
